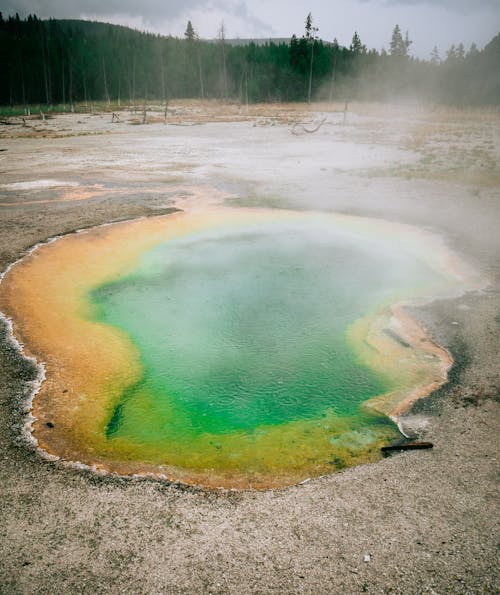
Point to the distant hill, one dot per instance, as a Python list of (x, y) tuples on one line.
[(99, 28), (256, 40)]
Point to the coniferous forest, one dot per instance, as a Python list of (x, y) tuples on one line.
[(49, 62)]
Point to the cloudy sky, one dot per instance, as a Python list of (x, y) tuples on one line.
[(430, 22)]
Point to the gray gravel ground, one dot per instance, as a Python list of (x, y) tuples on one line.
[(418, 522)]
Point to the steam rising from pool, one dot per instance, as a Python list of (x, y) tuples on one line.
[(225, 347)]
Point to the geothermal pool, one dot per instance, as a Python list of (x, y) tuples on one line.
[(228, 347)]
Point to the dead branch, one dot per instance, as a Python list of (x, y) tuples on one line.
[(297, 125), (316, 128)]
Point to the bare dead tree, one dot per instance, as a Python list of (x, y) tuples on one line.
[(70, 85), (222, 39), (144, 112), (200, 69), (133, 80), (84, 84), (332, 78), (311, 38), (45, 65), (23, 87), (63, 82), (129, 83), (106, 92), (164, 84)]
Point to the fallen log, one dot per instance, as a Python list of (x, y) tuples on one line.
[(315, 129), (304, 129), (407, 446)]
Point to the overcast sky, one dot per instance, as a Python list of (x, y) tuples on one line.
[(429, 22)]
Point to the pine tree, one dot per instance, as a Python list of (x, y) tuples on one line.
[(451, 53), (308, 26), (435, 59), (189, 34), (356, 46), (473, 50), (398, 46)]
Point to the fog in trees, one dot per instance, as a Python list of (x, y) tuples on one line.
[(47, 62)]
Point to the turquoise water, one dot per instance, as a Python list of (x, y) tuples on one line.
[(241, 328)]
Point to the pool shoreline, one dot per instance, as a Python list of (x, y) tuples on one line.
[(412, 332)]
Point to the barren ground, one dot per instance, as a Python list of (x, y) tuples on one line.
[(418, 522)]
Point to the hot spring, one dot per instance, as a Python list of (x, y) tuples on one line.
[(228, 347)]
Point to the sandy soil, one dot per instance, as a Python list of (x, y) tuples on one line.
[(418, 522)]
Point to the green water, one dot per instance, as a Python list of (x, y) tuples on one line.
[(244, 328)]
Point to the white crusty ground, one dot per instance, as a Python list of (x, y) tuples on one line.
[(425, 521)]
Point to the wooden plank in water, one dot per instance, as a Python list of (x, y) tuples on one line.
[(407, 446)]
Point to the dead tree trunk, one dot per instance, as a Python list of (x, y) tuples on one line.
[(133, 81), (309, 90), (200, 72), (84, 81), (70, 85), (44, 64), (246, 89), (129, 83), (106, 92), (145, 113), (63, 84), (23, 88), (332, 80), (222, 37)]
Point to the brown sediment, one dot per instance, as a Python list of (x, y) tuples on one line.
[(50, 311), (185, 197), (71, 194)]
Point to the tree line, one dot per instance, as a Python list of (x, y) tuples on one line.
[(48, 62)]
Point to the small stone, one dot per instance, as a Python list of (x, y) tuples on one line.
[(367, 558), (49, 424)]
